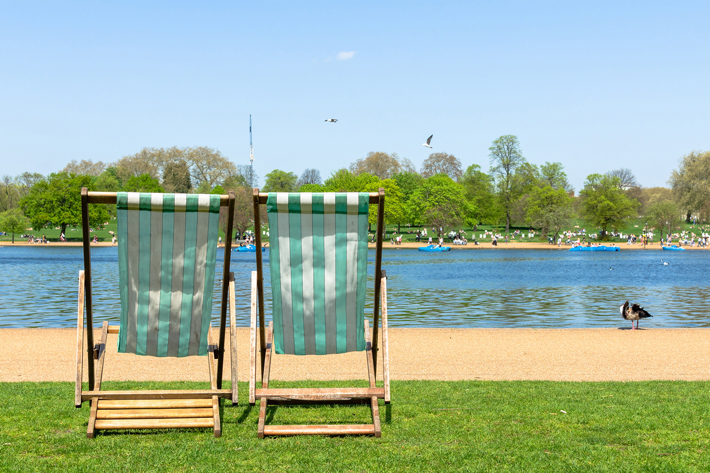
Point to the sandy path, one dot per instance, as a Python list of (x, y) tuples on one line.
[(443, 354)]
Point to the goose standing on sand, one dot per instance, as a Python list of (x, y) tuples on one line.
[(633, 312), (428, 142)]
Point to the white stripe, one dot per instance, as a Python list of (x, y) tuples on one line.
[(199, 281), (180, 202), (351, 270), (307, 271), (329, 253)]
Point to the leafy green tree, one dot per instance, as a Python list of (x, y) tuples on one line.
[(219, 190), (664, 214), (440, 202), (13, 221), (108, 181), (280, 181), (480, 192), (553, 175), (394, 207), (550, 209), (142, 183), (345, 181), (691, 185), (604, 204), (506, 157), (408, 182), (311, 188), (176, 177), (56, 201), (9, 193)]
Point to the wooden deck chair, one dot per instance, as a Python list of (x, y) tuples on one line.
[(318, 262), (167, 248)]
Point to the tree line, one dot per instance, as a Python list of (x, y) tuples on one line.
[(442, 194)]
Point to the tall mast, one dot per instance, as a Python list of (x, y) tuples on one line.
[(251, 146)]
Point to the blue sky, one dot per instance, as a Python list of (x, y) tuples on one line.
[(594, 85)]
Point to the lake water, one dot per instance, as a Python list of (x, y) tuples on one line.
[(467, 288)]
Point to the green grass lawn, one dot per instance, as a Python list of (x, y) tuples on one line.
[(429, 426)]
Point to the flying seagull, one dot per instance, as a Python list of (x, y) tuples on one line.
[(633, 312), (331, 120), (428, 142)]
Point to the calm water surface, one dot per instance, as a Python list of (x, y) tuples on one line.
[(477, 288)]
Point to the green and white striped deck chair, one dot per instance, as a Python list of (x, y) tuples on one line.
[(318, 252), (167, 251)]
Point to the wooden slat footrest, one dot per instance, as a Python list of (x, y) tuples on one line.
[(349, 429), (319, 394), (145, 395), (156, 404), (153, 413), (106, 424)]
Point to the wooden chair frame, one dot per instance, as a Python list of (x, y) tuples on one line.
[(263, 352), (152, 409)]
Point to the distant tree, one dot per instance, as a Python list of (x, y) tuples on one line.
[(691, 185), (85, 166), (442, 163), (550, 209), (343, 180), (311, 188), (394, 208), (146, 161), (9, 193), (480, 192), (56, 201), (13, 221), (664, 214), (108, 181), (26, 181), (176, 177), (280, 181), (208, 165), (142, 183), (506, 157), (439, 201), (309, 176), (377, 163), (651, 195), (604, 204), (219, 190), (553, 175), (625, 178), (247, 174)]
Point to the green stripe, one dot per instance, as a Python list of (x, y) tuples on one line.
[(341, 264), (212, 236), (166, 273), (294, 202), (143, 275), (275, 271), (188, 279), (364, 200), (122, 222)]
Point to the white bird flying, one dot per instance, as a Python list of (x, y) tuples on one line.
[(428, 142), (331, 120), (633, 312)]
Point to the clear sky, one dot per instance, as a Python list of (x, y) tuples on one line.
[(594, 85)]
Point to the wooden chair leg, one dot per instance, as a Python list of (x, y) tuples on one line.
[(100, 351), (79, 343), (212, 363), (385, 342), (265, 382), (374, 406), (233, 340), (252, 341)]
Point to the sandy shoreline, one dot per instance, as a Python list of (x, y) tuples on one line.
[(387, 246), (611, 354)]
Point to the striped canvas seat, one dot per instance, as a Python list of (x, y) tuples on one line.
[(318, 262), (167, 247)]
